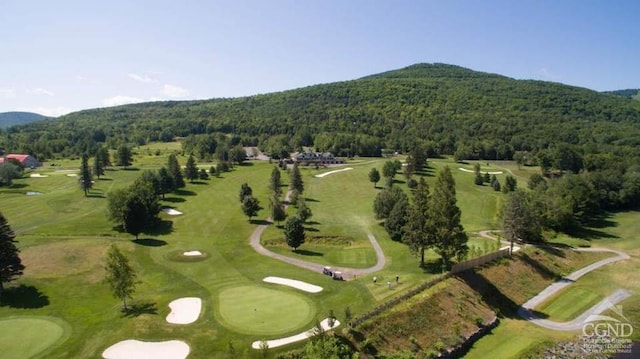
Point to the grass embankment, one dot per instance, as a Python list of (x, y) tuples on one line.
[(443, 316)]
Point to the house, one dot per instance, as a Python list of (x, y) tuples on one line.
[(27, 161), (325, 158)]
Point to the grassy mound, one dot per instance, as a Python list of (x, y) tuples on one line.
[(262, 311)]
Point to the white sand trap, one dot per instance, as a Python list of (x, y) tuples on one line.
[(471, 171), (297, 284), (295, 338), (72, 175), (332, 172), (136, 349), (37, 175), (184, 310), (171, 211), (192, 253)]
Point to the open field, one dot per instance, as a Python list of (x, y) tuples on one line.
[(63, 236)]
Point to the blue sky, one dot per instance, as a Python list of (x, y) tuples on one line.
[(62, 56)]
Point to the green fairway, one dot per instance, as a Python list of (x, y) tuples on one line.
[(25, 337), (262, 311), (569, 303)]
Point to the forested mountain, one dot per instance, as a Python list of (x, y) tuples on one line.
[(444, 108), (628, 93), (17, 118)]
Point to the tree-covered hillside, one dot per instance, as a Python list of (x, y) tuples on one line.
[(17, 118), (445, 108), (628, 93)]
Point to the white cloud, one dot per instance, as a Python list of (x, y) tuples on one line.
[(39, 91), (7, 93), (48, 111), (143, 78), (121, 100), (548, 75), (81, 78), (174, 91)]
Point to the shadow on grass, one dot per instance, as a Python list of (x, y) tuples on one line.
[(24, 297), (131, 169), (433, 267), (150, 242), (95, 195), (312, 223), (135, 310), (495, 299), (260, 222), (589, 234), (538, 267), (311, 229), (105, 179), (304, 252), (198, 182), (161, 228), (184, 192), (306, 199), (173, 199), (18, 185)]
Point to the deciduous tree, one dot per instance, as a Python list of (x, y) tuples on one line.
[(275, 182), (294, 232), (520, 220), (250, 206), (120, 275), (374, 177)]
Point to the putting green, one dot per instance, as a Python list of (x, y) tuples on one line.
[(25, 337), (258, 310)]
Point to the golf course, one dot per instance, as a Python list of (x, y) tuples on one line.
[(202, 251)]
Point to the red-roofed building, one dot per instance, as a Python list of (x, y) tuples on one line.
[(27, 161)]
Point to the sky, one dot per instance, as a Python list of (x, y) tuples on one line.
[(62, 56)]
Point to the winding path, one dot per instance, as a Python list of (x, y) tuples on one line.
[(347, 273), (526, 311)]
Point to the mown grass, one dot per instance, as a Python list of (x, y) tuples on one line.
[(63, 236)]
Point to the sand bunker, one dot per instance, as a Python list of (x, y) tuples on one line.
[(184, 310), (171, 211), (72, 175), (331, 172), (295, 338), (310, 288), (471, 171), (192, 253), (37, 175), (129, 349), (33, 193)]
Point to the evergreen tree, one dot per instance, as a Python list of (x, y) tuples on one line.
[(510, 183), (123, 156), (10, 264), (176, 172), (486, 177), (98, 166), (478, 179), (203, 175), (418, 231), (120, 276), (496, 185), (294, 232), (275, 182), (374, 177), (450, 240), (191, 169), (296, 179), (85, 180)]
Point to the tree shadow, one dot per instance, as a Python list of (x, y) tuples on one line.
[(198, 182), (184, 192), (150, 242), (307, 199), (495, 299), (541, 269), (162, 227), (105, 179), (312, 223), (95, 195), (432, 267), (137, 309), (18, 185), (311, 229), (23, 297), (131, 169), (173, 199), (260, 222), (304, 252), (589, 234)]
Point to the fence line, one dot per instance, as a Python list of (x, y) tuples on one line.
[(471, 263)]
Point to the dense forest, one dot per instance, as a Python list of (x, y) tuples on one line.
[(446, 109), (18, 118)]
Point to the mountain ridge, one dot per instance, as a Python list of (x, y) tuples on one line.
[(12, 118)]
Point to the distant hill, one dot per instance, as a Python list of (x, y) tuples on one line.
[(19, 118), (628, 93), (446, 108)]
